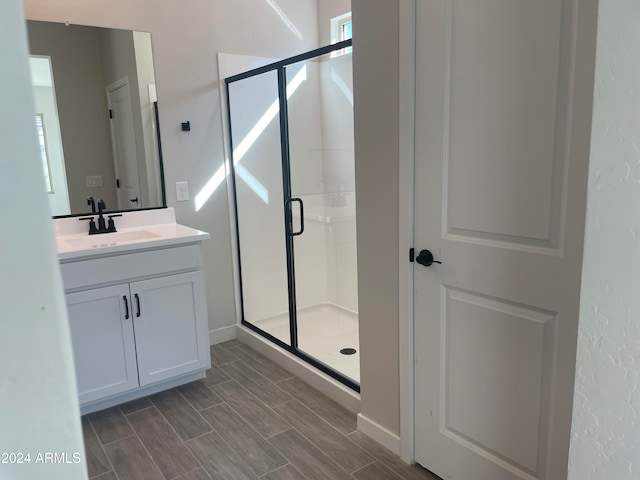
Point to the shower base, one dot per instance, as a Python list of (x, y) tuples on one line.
[(323, 330)]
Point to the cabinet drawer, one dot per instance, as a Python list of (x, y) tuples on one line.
[(119, 268)]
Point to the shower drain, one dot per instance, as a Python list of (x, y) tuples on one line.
[(348, 351)]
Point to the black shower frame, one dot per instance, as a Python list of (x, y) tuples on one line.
[(279, 67)]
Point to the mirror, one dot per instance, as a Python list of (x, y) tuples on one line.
[(97, 117)]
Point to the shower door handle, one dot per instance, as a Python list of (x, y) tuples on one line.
[(299, 200)]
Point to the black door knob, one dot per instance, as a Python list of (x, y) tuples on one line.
[(426, 258)]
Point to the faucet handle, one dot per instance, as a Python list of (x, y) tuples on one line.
[(112, 226), (92, 225)]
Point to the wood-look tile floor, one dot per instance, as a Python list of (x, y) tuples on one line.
[(248, 419)]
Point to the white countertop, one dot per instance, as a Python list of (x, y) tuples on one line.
[(136, 231)]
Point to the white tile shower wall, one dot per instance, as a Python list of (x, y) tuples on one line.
[(337, 124), (347, 265), (306, 146), (321, 148), (340, 238), (311, 255), (605, 431), (306, 142), (339, 181), (326, 253)]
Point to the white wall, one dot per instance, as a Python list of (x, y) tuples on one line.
[(118, 57), (187, 37), (38, 397), (328, 9), (605, 437), (375, 80)]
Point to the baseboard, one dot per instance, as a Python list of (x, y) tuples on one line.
[(223, 334), (384, 437), (140, 392), (320, 381)]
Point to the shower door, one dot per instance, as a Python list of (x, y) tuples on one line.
[(291, 127), (321, 170), (258, 179)]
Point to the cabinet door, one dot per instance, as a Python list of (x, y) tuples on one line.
[(103, 343), (171, 327)]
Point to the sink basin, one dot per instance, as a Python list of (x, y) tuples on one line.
[(111, 239)]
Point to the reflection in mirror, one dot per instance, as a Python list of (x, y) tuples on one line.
[(96, 116)]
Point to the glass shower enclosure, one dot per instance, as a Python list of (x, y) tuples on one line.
[(291, 130)]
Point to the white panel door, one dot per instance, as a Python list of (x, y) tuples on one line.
[(104, 349), (504, 92), (171, 326), (123, 141)]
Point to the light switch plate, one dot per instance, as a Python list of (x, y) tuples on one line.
[(182, 191), (94, 181)]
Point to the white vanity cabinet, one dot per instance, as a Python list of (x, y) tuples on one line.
[(138, 322), (103, 341), (168, 311)]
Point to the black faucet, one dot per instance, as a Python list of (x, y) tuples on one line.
[(92, 202), (102, 226)]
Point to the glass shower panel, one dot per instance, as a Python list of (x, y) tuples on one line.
[(258, 179), (321, 152)]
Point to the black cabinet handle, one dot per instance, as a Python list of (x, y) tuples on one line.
[(138, 303), (126, 307), (134, 200)]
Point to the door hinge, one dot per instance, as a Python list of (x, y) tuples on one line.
[(117, 183), (411, 254), (110, 113)]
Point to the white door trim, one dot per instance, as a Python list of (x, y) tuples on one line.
[(406, 165), (120, 164), (118, 83)]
